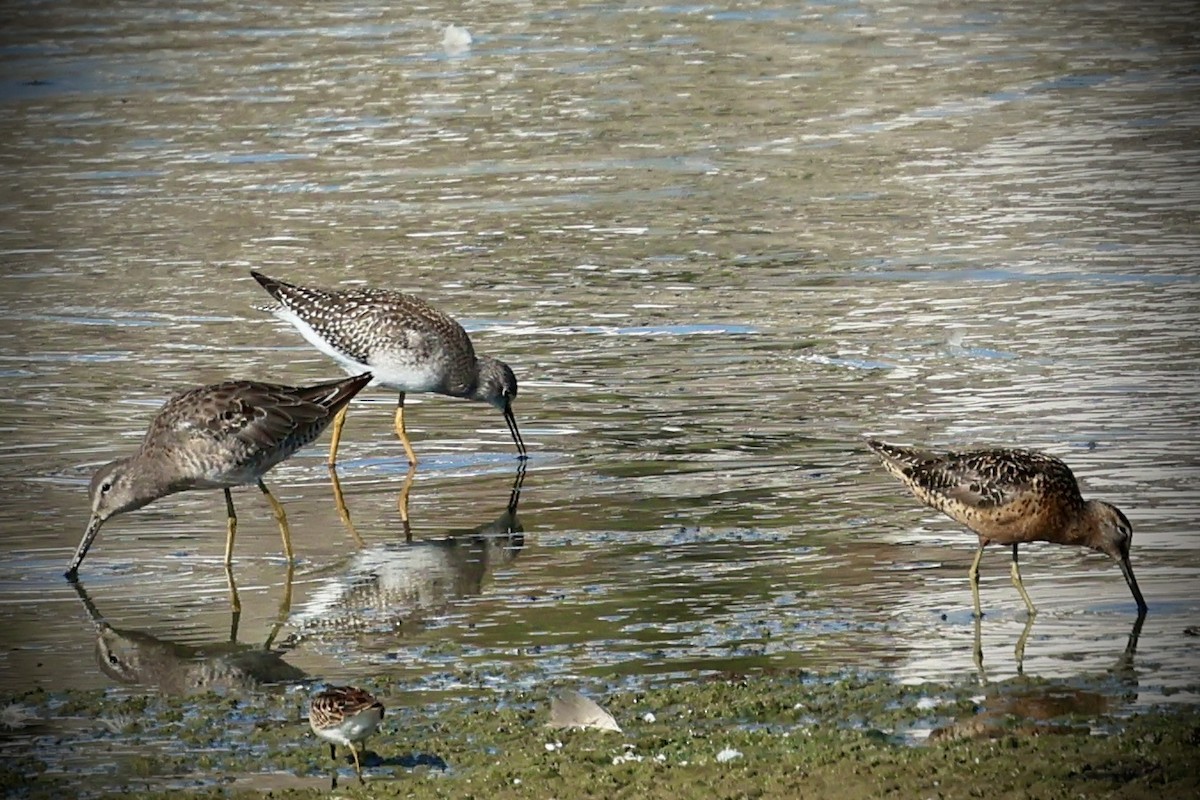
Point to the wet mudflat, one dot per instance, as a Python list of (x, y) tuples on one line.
[(777, 735)]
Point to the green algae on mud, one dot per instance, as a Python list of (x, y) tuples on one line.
[(767, 735)]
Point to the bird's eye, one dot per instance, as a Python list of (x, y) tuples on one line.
[(105, 487), (112, 659)]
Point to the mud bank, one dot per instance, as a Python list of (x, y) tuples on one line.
[(784, 735)]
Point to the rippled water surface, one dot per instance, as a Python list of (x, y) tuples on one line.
[(719, 245)]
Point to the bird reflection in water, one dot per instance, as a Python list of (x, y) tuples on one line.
[(339, 499), (138, 658), (1019, 649), (1019, 707), (382, 586)]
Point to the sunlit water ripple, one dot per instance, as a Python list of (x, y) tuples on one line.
[(718, 247)]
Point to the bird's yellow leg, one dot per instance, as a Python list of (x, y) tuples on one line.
[(281, 519), (235, 604), (335, 440), (402, 502), (1019, 653), (1016, 579), (230, 528), (402, 433), (973, 574), (343, 510), (285, 607)]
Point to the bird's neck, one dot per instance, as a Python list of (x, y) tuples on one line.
[(153, 473), (479, 383), (1085, 528)]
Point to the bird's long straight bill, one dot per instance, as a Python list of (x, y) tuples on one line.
[(1127, 571), (512, 428), (88, 536)]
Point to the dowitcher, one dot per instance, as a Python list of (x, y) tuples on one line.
[(409, 345), (345, 715), (1013, 497), (215, 437)]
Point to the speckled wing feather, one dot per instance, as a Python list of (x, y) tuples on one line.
[(982, 479), (987, 478), (363, 323), (338, 703), (345, 324), (259, 414), (402, 323)]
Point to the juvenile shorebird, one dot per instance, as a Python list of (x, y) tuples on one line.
[(215, 437), (1012, 497), (409, 345), (345, 715)]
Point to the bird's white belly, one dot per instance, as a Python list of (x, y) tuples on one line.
[(405, 376), (353, 729)]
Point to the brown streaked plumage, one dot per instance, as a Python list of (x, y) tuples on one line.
[(345, 715), (215, 437), (1012, 497), (409, 345)]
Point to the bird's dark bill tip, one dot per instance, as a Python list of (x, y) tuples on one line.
[(1127, 571)]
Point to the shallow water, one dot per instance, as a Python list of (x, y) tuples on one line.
[(719, 248)]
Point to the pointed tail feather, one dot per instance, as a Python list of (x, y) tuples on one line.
[(895, 456), (274, 287), (336, 394)]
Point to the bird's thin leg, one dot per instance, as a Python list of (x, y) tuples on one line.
[(357, 763), (978, 654), (281, 519), (338, 421), (973, 574), (343, 510), (285, 606), (1016, 579), (402, 433), (235, 604), (333, 775), (402, 502), (1019, 653), (230, 528)]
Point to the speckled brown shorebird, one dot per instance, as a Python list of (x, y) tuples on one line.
[(345, 715), (216, 437), (409, 345), (1012, 497)]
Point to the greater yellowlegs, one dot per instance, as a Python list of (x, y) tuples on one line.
[(345, 715), (1013, 497), (409, 345), (215, 437)]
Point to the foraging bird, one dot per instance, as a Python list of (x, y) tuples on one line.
[(215, 437), (1012, 497), (345, 715), (409, 345)]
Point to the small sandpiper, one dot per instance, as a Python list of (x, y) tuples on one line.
[(345, 715), (216, 437), (1012, 497), (408, 345)]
